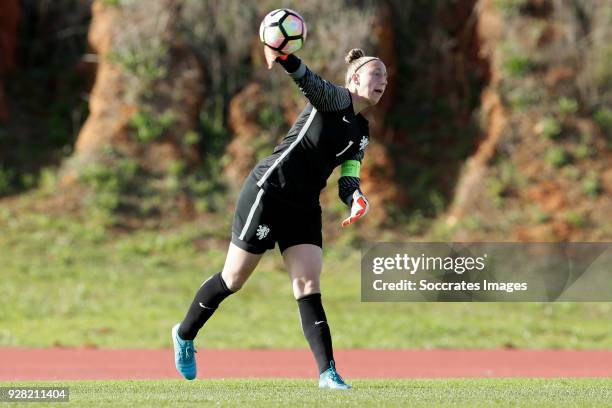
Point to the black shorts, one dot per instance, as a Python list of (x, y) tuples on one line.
[(263, 218)]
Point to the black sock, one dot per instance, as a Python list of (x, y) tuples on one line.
[(316, 329), (207, 299)]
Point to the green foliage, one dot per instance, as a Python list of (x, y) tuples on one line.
[(11, 181), (538, 215), (207, 182), (591, 185), (212, 124), (48, 179), (270, 118), (496, 190), (583, 151), (521, 96), (603, 68), (517, 61), (471, 222), (603, 117), (191, 138), (549, 127), (145, 62), (576, 219), (417, 224), (556, 156), (507, 181), (109, 182), (116, 177), (263, 146), (177, 168), (28, 180), (176, 171), (571, 172), (518, 65), (567, 106), (6, 181), (509, 7), (150, 126)]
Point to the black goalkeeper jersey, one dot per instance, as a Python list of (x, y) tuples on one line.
[(326, 134)]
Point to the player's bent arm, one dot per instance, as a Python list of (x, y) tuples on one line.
[(323, 95), (348, 181), (349, 192), (349, 177)]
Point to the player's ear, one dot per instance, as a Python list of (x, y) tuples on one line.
[(355, 79)]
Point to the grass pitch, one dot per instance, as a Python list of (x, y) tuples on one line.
[(366, 393), (66, 282)]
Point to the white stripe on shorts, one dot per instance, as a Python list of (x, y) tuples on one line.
[(251, 212), (286, 152)]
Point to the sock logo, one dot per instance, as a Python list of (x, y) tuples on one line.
[(318, 322)]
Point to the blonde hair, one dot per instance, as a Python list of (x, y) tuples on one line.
[(356, 59)]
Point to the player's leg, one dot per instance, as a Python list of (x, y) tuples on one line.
[(243, 255), (304, 263), (245, 251), (239, 265)]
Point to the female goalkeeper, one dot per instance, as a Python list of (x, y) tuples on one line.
[(279, 203)]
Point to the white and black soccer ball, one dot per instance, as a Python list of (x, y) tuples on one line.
[(283, 30)]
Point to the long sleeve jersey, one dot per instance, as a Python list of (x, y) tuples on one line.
[(326, 134)]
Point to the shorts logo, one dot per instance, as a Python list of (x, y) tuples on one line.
[(364, 142), (262, 231)]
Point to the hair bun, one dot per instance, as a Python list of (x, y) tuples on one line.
[(354, 54)]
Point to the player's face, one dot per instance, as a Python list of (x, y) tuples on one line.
[(372, 81)]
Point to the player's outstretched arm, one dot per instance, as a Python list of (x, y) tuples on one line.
[(322, 94)]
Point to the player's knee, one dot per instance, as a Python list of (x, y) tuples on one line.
[(234, 283), (233, 279), (304, 287)]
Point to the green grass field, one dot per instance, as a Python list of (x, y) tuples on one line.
[(68, 282), (367, 393)]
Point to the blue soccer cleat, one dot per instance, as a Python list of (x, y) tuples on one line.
[(184, 355), (331, 379)]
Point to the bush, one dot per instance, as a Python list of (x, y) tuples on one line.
[(556, 156), (577, 220), (522, 95), (108, 182), (603, 117), (591, 184), (510, 7), (518, 65), (567, 106), (6, 181), (571, 172), (548, 127), (538, 215), (149, 126), (583, 151)]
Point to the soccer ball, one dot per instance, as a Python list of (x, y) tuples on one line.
[(283, 30)]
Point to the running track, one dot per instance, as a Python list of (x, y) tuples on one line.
[(84, 364)]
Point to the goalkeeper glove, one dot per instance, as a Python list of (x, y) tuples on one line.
[(359, 208)]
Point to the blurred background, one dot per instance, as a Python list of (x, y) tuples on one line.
[(128, 126)]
